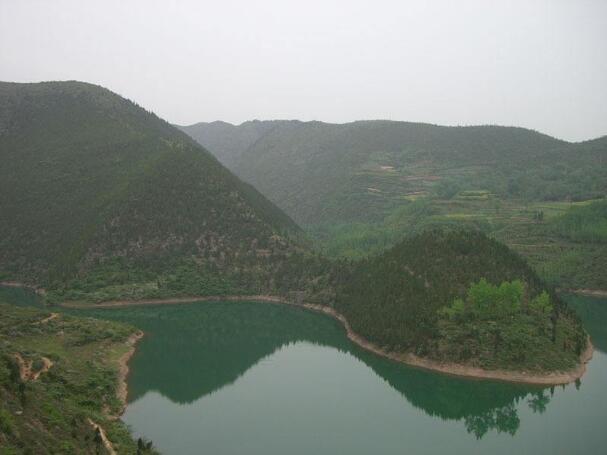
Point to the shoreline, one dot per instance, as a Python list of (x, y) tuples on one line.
[(456, 369), (586, 292), (453, 369), (18, 284), (123, 371)]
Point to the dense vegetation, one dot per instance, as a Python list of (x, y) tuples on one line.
[(359, 188), (542, 232), (587, 223), (102, 200), (50, 413), (96, 193), (502, 326), (411, 299), (327, 173)]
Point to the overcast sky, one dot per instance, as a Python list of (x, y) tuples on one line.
[(540, 64)]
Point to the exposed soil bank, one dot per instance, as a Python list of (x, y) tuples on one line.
[(455, 369), (177, 300), (587, 292), (123, 370), (19, 284)]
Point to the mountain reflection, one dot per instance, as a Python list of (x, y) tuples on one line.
[(194, 350)]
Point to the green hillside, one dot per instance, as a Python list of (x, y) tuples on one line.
[(586, 223), (319, 172), (460, 296), (360, 187), (94, 188)]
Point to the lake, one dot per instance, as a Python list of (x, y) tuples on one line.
[(257, 378)]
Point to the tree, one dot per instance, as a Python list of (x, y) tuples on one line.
[(98, 439)]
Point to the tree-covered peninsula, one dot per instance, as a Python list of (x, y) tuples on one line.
[(460, 297)]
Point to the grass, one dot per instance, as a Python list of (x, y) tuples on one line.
[(50, 414)]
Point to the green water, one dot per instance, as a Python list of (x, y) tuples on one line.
[(19, 296), (254, 378)]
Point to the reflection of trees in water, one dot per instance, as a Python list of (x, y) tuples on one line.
[(482, 405), (192, 351), (539, 401), (504, 420)]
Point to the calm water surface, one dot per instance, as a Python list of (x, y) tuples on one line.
[(254, 378)]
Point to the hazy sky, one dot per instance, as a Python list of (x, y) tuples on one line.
[(541, 64)]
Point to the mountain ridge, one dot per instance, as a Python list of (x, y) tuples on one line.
[(380, 120), (90, 175), (320, 172)]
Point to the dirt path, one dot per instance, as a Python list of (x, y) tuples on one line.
[(104, 439), (454, 369), (25, 368), (50, 318), (47, 366)]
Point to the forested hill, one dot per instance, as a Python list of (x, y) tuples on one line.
[(460, 296), (331, 173), (88, 178)]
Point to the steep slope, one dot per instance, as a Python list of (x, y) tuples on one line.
[(90, 179), (328, 173)]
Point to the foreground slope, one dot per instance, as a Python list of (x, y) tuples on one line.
[(91, 181), (59, 382)]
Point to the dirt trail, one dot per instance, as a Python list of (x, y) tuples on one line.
[(25, 367), (50, 318), (454, 369), (104, 439)]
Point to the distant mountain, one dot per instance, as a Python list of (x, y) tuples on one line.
[(332, 173), (89, 179), (228, 141)]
